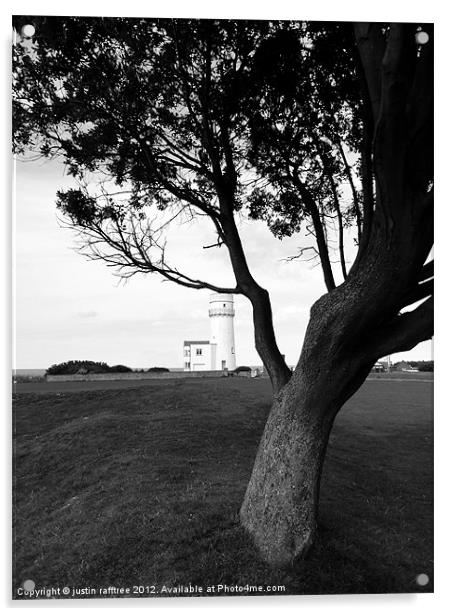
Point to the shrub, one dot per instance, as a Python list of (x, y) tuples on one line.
[(85, 367), (158, 369), (77, 366), (120, 368), (243, 369)]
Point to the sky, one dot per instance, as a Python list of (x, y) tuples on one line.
[(68, 307)]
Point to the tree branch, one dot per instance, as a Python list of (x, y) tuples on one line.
[(130, 251), (300, 254), (371, 46), (318, 232), (426, 271), (420, 291), (337, 207), (356, 204), (369, 55), (404, 332), (420, 116), (367, 180), (264, 334)]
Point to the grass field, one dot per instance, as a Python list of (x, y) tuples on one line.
[(142, 486)]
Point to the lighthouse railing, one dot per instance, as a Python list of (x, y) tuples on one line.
[(224, 312)]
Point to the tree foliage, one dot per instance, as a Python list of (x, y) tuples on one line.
[(182, 114)]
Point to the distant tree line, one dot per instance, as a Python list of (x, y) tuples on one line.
[(423, 366), (94, 367)]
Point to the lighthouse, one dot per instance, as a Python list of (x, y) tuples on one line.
[(221, 314), (217, 353)]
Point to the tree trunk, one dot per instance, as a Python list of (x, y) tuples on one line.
[(280, 506), (281, 502)]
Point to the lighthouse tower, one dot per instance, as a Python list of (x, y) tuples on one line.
[(221, 313)]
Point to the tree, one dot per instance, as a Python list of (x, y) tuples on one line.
[(269, 119)]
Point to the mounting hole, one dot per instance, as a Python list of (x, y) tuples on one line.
[(28, 585), (422, 37), (28, 30), (422, 579)]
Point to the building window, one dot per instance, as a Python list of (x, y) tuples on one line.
[(187, 353), (187, 364), (198, 351), (232, 350)]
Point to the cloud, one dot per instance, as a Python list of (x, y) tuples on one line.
[(87, 314)]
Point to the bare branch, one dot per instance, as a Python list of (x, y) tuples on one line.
[(218, 244), (127, 246), (301, 252)]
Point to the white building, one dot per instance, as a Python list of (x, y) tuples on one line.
[(217, 353), (197, 355)]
